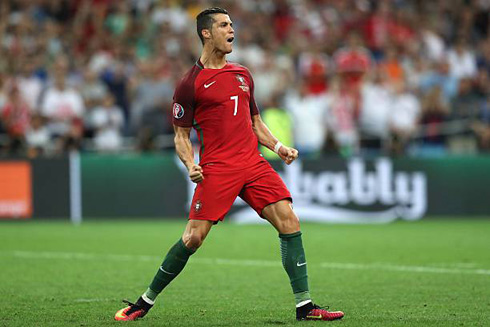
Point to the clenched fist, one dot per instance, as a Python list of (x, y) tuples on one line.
[(195, 173), (287, 154)]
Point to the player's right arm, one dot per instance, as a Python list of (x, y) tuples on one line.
[(183, 147), (183, 117)]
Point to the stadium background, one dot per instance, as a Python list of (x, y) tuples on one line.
[(403, 80)]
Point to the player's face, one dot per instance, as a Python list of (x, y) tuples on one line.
[(222, 33)]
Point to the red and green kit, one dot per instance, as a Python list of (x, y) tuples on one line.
[(219, 105)]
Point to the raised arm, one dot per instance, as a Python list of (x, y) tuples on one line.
[(268, 140), (183, 147)]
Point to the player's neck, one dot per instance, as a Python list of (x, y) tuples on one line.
[(212, 58)]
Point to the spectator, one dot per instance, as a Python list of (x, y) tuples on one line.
[(376, 105), (270, 79), (3, 99), (119, 19), (118, 84), (3, 93), (441, 78), (404, 117), (482, 127), (166, 13), (378, 27), (466, 105), (15, 117), (462, 61), (464, 111), (54, 43), (37, 137), (93, 92), (352, 62), (432, 43), (435, 112), (30, 86), (64, 109), (280, 123), (108, 121), (483, 60), (481, 85), (392, 66), (308, 112), (342, 120), (313, 68), (148, 90)]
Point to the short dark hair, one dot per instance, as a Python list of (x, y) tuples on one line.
[(205, 19)]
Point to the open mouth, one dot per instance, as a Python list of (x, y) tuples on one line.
[(230, 40)]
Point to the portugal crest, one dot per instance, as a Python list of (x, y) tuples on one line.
[(197, 206), (178, 111), (244, 85)]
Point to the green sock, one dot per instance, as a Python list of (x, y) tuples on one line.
[(294, 262), (171, 266)]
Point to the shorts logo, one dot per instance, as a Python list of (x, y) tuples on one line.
[(197, 206), (178, 111)]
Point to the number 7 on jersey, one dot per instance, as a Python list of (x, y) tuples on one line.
[(235, 98)]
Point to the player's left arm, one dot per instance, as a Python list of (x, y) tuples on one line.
[(265, 137)]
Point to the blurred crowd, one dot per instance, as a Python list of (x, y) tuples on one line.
[(349, 77)]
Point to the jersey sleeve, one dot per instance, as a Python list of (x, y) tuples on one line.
[(254, 110), (183, 103)]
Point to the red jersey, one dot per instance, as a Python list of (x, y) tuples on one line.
[(219, 104)]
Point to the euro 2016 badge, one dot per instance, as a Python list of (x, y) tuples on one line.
[(244, 85), (178, 111)]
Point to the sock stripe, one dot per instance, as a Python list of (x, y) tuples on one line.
[(147, 299), (302, 303)]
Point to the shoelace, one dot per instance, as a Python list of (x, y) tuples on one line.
[(133, 307), (319, 307), (127, 302)]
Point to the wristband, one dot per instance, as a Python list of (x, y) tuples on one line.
[(277, 147)]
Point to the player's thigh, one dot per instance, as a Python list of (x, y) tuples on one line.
[(264, 187), (282, 217), (214, 196)]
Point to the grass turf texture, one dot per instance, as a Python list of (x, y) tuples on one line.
[(427, 273)]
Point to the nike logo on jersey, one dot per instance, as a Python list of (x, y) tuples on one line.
[(208, 85), (300, 264)]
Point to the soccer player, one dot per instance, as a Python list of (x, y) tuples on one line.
[(216, 98)]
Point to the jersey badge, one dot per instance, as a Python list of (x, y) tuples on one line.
[(178, 111), (244, 85), (197, 206)]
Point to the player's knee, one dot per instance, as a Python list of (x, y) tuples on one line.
[(290, 223), (287, 222), (193, 240)]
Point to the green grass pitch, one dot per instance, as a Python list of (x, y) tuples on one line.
[(426, 273)]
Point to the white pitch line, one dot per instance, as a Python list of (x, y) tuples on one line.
[(248, 263), (415, 269), (82, 256), (92, 300)]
